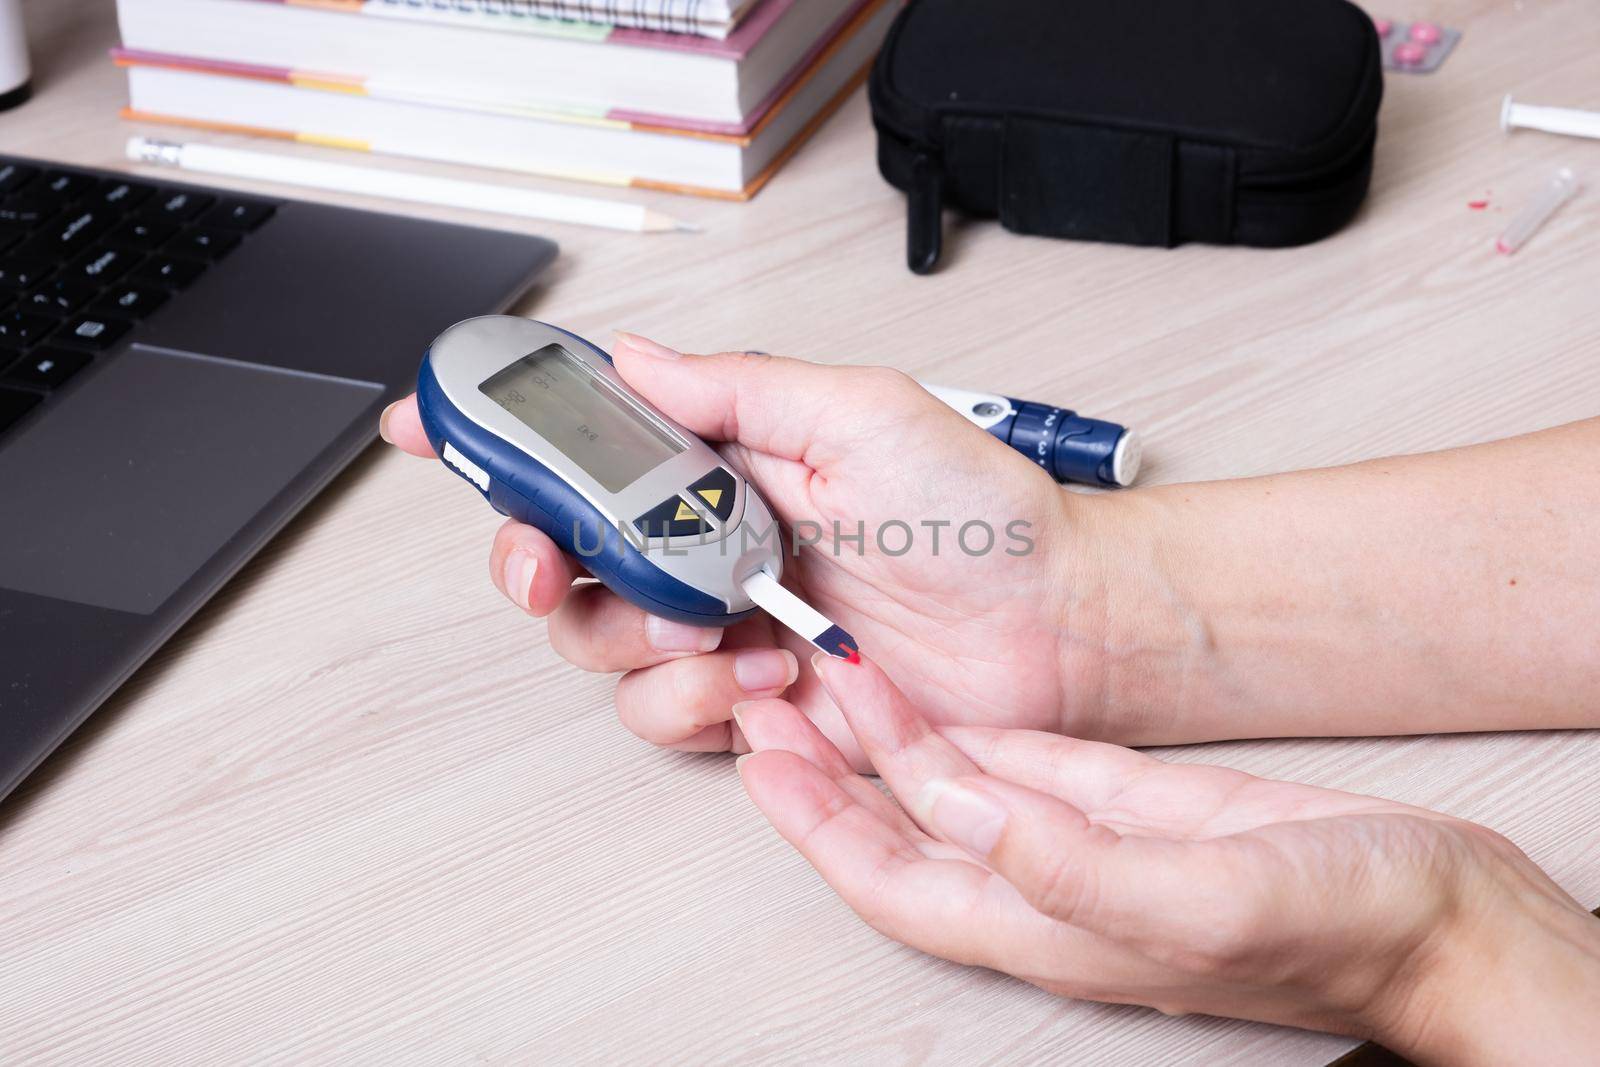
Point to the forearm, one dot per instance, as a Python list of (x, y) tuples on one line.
[(1451, 591)]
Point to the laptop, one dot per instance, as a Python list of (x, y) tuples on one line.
[(181, 370)]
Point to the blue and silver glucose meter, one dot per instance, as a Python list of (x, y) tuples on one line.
[(536, 419)]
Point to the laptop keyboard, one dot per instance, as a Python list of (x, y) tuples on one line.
[(84, 256)]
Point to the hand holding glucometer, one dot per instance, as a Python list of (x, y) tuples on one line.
[(538, 421), (542, 425), (898, 522)]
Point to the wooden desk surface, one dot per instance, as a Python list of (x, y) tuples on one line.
[(357, 809)]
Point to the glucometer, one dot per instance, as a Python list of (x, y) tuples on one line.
[(536, 419)]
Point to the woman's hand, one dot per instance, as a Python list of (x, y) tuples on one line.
[(1096, 872), (971, 621), (1451, 591)]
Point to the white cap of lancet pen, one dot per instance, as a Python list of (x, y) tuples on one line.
[(1125, 459)]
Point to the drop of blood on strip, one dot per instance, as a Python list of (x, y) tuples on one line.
[(1477, 205)]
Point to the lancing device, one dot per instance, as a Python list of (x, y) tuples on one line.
[(536, 419), (1067, 445)]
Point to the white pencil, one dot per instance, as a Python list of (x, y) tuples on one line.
[(399, 185)]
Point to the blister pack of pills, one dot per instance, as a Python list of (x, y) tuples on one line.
[(1414, 47)]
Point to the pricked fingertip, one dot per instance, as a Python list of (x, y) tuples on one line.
[(837, 642)]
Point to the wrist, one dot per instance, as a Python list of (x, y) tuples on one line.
[(1514, 979), (1135, 656)]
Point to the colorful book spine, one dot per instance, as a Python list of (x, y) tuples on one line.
[(859, 17), (593, 177)]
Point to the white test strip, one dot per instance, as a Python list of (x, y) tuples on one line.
[(799, 616)]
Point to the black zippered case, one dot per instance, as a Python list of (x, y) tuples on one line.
[(1145, 122)]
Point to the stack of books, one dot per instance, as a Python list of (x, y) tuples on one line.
[(697, 96)]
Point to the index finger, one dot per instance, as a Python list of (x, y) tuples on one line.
[(903, 746), (401, 426)]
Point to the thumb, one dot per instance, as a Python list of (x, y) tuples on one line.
[(783, 407), (401, 426)]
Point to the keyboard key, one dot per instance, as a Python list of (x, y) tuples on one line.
[(14, 176), (94, 332), (69, 234), (203, 242), (59, 296), (68, 186), (46, 368), (169, 271), (14, 403), (239, 214), (17, 274), (178, 205), (18, 329), (11, 233), (123, 195), (129, 301), (25, 211), (102, 265), (142, 233), (8, 356)]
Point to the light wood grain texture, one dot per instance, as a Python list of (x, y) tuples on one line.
[(358, 811)]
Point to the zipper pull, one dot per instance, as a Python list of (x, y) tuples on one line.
[(924, 215)]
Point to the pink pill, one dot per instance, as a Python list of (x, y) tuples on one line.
[(1424, 33), (1410, 53), (1385, 27)]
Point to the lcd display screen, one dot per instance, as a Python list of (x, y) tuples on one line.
[(558, 396)]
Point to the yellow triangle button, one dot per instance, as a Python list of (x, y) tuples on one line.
[(711, 496), (685, 513)]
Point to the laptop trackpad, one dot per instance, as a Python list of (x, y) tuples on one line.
[(116, 496)]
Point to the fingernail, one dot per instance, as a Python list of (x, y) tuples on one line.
[(647, 346), (519, 571), (962, 816), (738, 764), (822, 665), (738, 710), (769, 668), (665, 635), (383, 422)]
